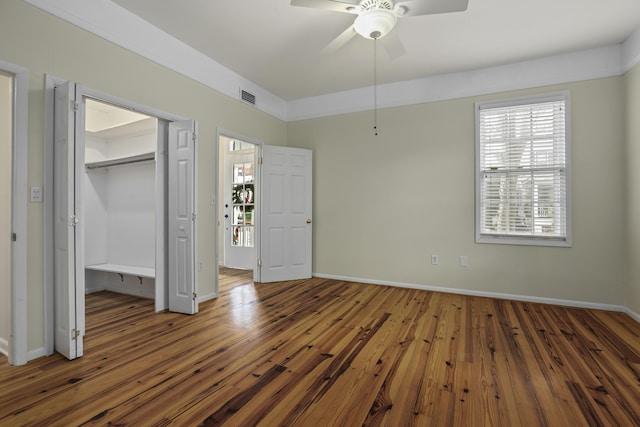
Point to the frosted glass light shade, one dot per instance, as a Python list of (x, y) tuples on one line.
[(375, 23)]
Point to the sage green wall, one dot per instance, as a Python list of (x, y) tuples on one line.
[(632, 80), (46, 45), (383, 204)]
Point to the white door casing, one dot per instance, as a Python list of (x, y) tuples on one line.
[(17, 342), (68, 259), (286, 208), (182, 217), (6, 208)]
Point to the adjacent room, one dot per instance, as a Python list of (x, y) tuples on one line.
[(385, 212)]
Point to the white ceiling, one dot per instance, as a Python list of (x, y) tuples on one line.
[(279, 47), (102, 117)]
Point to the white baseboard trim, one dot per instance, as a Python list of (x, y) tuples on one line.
[(635, 316), (4, 347), (37, 353), (142, 293), (207, 297), (498, 295)]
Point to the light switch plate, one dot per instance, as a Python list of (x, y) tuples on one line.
[(36, 194)]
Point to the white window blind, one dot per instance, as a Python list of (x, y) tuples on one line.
[(522, 183)]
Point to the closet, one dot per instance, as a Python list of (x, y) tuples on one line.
[(119, 200)]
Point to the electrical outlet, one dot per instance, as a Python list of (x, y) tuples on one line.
[(435, 259), (464, 261)]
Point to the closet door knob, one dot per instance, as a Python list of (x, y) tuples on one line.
[(226, 216)]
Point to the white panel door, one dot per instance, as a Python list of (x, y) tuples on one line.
[(285, 228), (182, 217), (68, 259)]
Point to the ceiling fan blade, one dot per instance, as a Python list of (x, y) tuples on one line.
[(341, 40), (347, 6), (393, 45), (431, 7)]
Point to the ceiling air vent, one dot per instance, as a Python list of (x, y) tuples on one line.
[(247, 97)]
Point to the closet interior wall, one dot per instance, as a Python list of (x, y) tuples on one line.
[(120, 208)]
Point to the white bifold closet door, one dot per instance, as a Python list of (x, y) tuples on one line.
[(182, 217), (68, 254)]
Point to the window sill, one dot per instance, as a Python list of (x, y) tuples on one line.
[(524, 241)]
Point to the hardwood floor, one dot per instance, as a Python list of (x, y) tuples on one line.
[(323, 352)]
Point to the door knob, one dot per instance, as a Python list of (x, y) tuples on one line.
[(226, 215), (308, 221)]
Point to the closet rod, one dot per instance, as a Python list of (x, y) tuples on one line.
[(122, 161)]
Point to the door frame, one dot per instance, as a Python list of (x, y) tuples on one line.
[(18, 350), (218, 199), (50, 83)]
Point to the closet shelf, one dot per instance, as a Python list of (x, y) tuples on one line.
[(130, 270), (122, 160)]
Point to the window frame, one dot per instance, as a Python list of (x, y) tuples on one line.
[(508, 239)]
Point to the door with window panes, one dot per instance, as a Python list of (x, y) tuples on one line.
[(239, 212)]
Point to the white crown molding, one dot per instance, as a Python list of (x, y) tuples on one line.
[(117, 25), (576, 66), (631, 51)]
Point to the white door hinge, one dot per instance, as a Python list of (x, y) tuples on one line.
[(74, 106), (193, 216), (260, 263), (259, 160), (194, 296), (74, 221), (75, 333)]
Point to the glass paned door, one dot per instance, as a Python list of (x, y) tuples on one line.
[(239, 208), (243, 202)]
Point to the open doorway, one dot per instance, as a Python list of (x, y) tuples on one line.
[(119, 201), (238, 210), (265, 208), (140, 175)]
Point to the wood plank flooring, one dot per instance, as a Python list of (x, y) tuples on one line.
[(324, 352)]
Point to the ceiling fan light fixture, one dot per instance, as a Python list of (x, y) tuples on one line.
[(375, 23)]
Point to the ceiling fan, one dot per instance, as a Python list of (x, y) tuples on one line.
[(376, 18)]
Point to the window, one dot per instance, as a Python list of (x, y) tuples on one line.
[(522, 167), (243, 200)]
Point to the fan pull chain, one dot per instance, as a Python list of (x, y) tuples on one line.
[(375, 87)]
